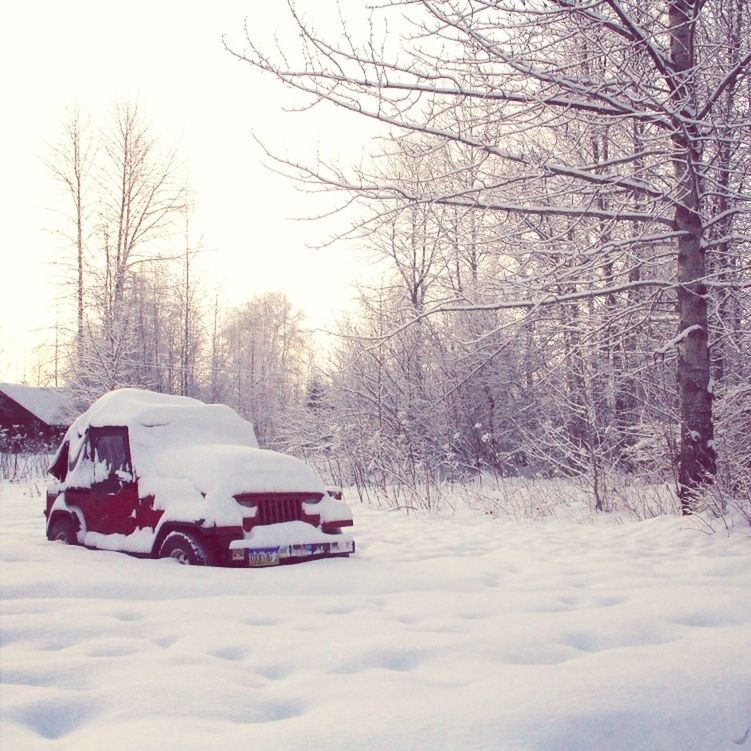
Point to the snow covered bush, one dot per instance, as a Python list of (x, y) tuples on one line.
[(732, 489), (17, 467)]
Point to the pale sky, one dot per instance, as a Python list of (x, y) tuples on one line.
[(169, 56)]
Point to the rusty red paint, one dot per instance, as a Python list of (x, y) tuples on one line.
[(114, 507)]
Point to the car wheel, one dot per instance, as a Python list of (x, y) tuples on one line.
[(186, 548), (62, 530)]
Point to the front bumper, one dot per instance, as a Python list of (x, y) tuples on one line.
[(261, 552)]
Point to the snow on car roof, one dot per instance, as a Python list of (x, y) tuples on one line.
[(184, 450), (48, 404), (190, 420)]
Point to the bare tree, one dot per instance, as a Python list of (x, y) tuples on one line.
[(549, 68), (139, 194), (71, 164), (191, 334), (262, 362)]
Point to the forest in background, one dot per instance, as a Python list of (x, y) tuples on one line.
[(562, 207)]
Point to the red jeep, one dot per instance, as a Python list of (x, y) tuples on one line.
[(169, 476)]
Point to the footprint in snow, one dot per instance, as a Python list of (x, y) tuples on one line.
[(231, 653), (54, 719), (127, 615), (273, 672), (261, 621)]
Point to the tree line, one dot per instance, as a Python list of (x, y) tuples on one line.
[(142, 316), (563, 198), (561, 203)]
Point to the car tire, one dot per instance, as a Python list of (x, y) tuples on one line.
[(63, 530), (186, 548)]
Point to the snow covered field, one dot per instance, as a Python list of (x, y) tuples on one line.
[(463, 633)]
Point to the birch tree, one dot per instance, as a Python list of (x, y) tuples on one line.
[(71, 163)]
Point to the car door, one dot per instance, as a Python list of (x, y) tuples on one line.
[(103, 485)]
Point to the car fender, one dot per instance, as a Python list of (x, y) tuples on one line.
[(330, 510), (60, 507)]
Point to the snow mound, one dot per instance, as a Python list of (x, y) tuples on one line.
[(177, 419)]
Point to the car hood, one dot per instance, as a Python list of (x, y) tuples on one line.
[(200, 482), (237, 469)]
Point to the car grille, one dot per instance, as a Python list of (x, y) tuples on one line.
[(272, 509), (275, 510)]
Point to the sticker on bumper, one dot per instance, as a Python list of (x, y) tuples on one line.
[(258, 557)]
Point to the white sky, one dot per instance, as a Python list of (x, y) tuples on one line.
[(169, 56)]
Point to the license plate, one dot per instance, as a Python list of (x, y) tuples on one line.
[(261, 557)]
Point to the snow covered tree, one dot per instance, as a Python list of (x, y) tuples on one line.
[(263, 362), (124, 192), (672, 73), (71, 163)]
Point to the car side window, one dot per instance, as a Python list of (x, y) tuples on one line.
[(109, 452), (59, 465), (80, 468), (75, 456)]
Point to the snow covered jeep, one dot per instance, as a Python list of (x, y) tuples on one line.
[(169, 476)]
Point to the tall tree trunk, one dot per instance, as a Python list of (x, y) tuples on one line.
[(697, 456), (79, 265)]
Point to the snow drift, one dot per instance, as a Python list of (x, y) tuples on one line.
[(458, 634)]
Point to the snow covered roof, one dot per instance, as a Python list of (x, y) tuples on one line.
[(49, 405), (188, 420), (184, 450)]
